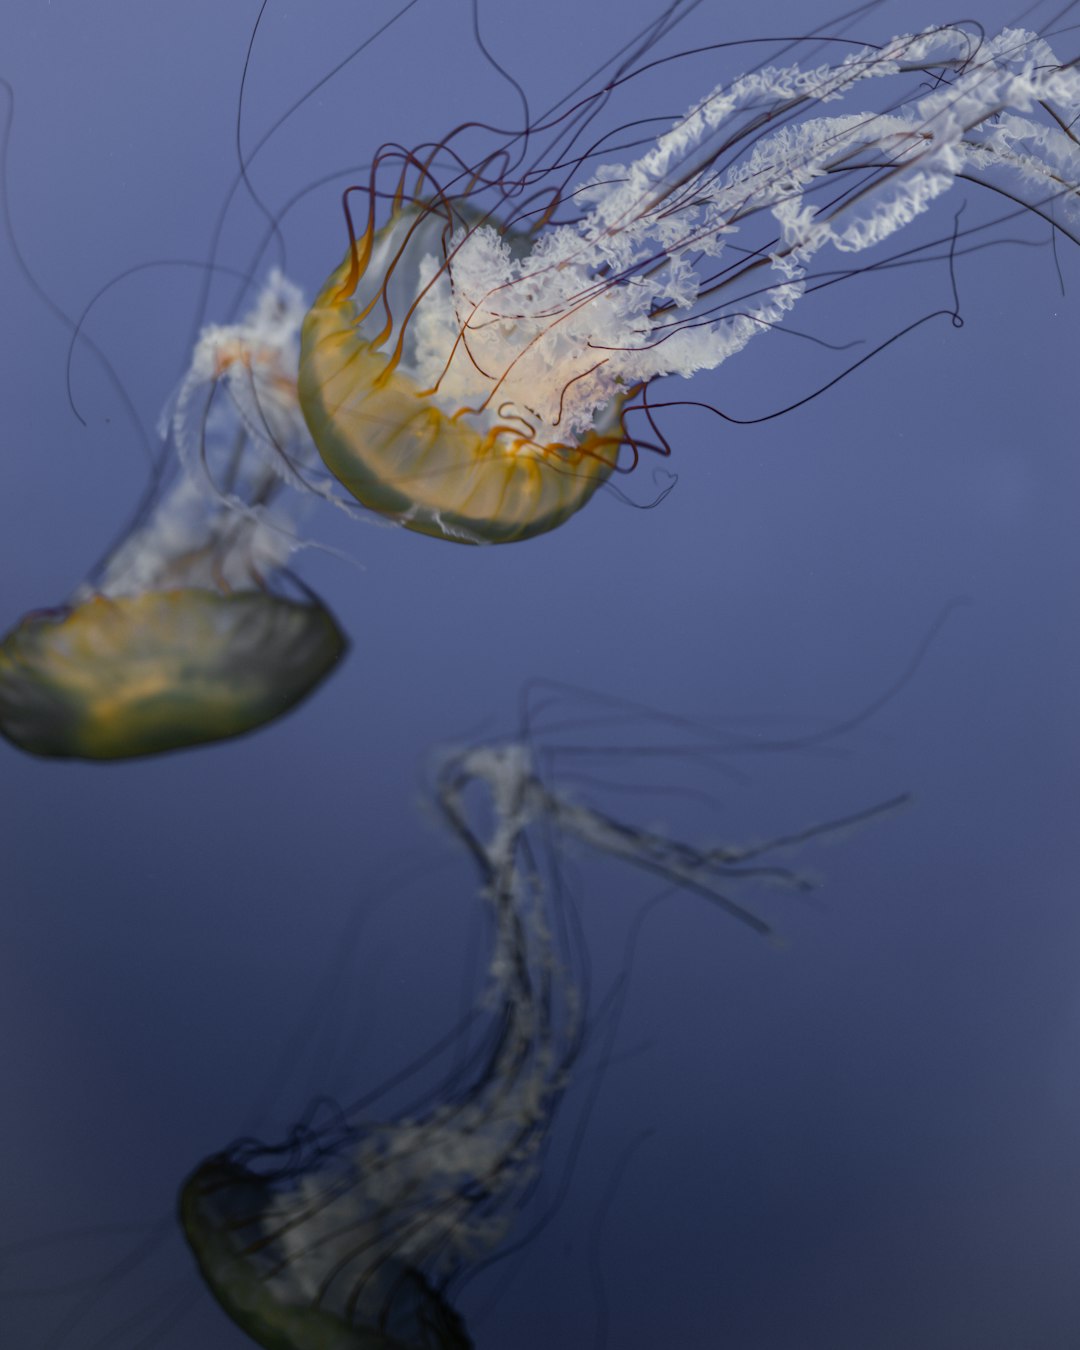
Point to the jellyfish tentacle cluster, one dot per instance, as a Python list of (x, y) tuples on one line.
[(190, 630), (473, 381)]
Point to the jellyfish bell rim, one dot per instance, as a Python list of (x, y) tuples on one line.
[(108, 678)]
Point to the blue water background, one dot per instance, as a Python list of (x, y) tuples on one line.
[(863, 1138)]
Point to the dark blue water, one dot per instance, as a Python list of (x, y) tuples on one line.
[(864, 1137)]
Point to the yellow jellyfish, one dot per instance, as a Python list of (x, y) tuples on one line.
[(190, 631), (471, 367)]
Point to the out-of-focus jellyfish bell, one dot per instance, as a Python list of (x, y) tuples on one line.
[(189, 631), (473, 379)]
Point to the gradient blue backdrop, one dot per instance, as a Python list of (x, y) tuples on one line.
[(865, 1139)]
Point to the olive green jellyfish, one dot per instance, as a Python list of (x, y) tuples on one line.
[(191, 630), (348, 1236), (355, 1233), (471, 367), (360, 1230)]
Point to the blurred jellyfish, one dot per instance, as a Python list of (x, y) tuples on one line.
[(190, 630), (361, 1230), (354, 1232), (472, 366)]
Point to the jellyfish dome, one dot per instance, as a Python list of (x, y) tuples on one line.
[(472, 366), (444, 452), (190, 631)]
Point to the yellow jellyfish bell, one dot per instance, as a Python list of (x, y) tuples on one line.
[(190, 631), (456, 452), (114, 678)]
